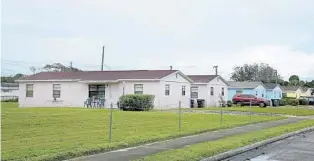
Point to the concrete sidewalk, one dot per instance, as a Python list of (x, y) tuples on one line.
[(152, 148)]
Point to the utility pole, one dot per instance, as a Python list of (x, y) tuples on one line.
[(102, 58), (276, 76), (71, 66), (216, 69)]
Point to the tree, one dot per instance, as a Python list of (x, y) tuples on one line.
[(309, 84), (256, 72), (294, 80), (301, 83), (58, 67), (11, 79)]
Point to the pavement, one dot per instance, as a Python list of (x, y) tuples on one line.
[(296, 148), (152, 148)]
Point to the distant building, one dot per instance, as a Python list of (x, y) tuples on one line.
[(9, 90), (211, 88), (292, 92), (255, 88)]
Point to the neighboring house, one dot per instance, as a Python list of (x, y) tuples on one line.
[(255, 88), (306, 91), (9, 90), (292, 91), (273, 92), (71, 89), (210, 88)]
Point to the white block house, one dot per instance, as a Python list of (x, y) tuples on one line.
[(211, 88), (71, 89), (9, 90)]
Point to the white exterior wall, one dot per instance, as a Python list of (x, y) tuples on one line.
[(73, 94), (13, 92), (203, 93), (218, 84), (176, 81)]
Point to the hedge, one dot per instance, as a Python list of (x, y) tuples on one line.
[(303, 102), (136, 102), (293, 102)]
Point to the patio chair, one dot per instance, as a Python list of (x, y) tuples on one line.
[(88, 103), (101, 103)]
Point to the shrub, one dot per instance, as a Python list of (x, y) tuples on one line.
[(283, 102), (303, 102), (10, 100), (136, 102), (293, 102)]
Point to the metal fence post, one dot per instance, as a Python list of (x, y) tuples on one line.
[(179, 116), (221, 115), (110, 122)]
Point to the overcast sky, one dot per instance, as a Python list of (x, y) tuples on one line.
[(192, 36)]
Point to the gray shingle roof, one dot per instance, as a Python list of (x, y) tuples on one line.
[(101, 75), (234, 84), (202, 78), (290, 88), (270, 85)]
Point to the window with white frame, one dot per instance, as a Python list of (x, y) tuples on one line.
[(183, 90), (222, 91), (211, 91), (167, 89), (56, 93), (138, 88), (29, 90), (194, 92)]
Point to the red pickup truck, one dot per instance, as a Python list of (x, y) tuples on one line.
[(247, 99)]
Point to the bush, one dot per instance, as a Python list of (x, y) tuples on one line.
[(303, 102), (10, 100), (283, 102), (293, 102), (136, 102)]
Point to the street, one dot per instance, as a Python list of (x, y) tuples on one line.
[(298, 148)]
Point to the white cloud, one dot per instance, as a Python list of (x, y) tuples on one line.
[(190, 35)]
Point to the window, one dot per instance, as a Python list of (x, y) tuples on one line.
[(279, 94), (194, 92), (97, 91), (256, 93), (5, 90), (211, 91), (262, 94), (29, 90), (56, 90), (167, 90), (239, 91), (284, 94), (183, 90), (222, 91), (138, 88)]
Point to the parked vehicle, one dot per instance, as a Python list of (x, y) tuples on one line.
[(247, 99)]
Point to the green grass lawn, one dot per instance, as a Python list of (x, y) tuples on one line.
[(61, 133), (199, 151), (278, 110)]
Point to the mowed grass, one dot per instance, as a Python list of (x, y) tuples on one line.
[(62, 133), (199, 151), (276, 110)]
